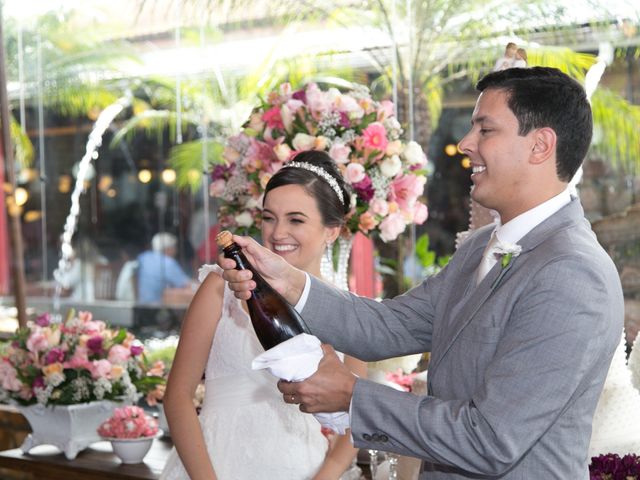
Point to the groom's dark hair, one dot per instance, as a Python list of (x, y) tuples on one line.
[(546, 97)]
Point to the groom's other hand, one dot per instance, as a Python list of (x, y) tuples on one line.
[(328, 390)]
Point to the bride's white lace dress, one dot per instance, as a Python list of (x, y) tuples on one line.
[(249, 431), (616, 423)]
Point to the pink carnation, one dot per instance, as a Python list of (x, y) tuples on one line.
[(128, 422)]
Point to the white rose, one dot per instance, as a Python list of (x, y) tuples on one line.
[(251, 203), (282, 151), (244, 219), (390, 166), (414, 154), (302, 142)]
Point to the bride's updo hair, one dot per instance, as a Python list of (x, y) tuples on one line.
[(332, 208)]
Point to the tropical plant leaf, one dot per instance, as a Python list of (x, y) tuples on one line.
[(192, 159)]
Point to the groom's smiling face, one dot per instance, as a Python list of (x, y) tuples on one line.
[(499, 155)]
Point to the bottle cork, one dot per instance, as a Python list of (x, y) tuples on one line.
[(224, 239)]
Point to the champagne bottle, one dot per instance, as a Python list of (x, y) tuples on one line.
[(273, 319)]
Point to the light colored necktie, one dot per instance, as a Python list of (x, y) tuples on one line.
[(489, 258)]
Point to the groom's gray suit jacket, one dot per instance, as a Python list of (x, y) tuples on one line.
[(517, 363)]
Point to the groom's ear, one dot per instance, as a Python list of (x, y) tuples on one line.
[(544, 145)]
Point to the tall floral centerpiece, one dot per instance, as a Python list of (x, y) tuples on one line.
[(362, 135), (67, 377)]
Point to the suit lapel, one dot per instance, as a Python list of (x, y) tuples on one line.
[(564, 218)]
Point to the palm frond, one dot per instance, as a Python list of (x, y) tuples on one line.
[(187, 160), (153, 123), (617, 137)]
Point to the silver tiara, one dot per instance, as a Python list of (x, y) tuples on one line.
[(321, 172)]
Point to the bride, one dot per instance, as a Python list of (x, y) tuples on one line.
[(244, 430)]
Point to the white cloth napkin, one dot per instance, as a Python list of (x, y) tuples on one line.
[(295, 360)]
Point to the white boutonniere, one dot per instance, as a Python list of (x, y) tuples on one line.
[(506, 251)]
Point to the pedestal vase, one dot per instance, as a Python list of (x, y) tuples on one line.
[(71, 428)]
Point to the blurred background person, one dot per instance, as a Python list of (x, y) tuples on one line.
[(158, 269)]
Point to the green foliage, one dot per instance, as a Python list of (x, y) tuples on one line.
[(189, 164), (427, 258)]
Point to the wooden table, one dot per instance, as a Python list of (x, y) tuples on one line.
[(97, 462)]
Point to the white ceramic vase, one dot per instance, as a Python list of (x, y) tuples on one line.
[(71, 428), (131, 450)]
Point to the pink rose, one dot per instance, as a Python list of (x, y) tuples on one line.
[(367, 222), (37, 342), (354, 173), (119, 354), (379, 206), (375, 137), (339, 152), (100, 369), (420, 213), (391, 227)]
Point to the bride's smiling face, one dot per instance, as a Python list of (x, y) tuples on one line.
[(292, 227)]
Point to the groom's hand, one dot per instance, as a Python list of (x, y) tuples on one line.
[(287, 280), (328, 390)]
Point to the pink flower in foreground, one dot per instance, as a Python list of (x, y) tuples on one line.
[(375, 137)]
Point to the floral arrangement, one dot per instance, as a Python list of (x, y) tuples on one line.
[(404, 380), (78, 360), (128, 422), (360, 134), (612, 467)]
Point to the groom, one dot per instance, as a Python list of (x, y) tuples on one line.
[(521, 324)]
